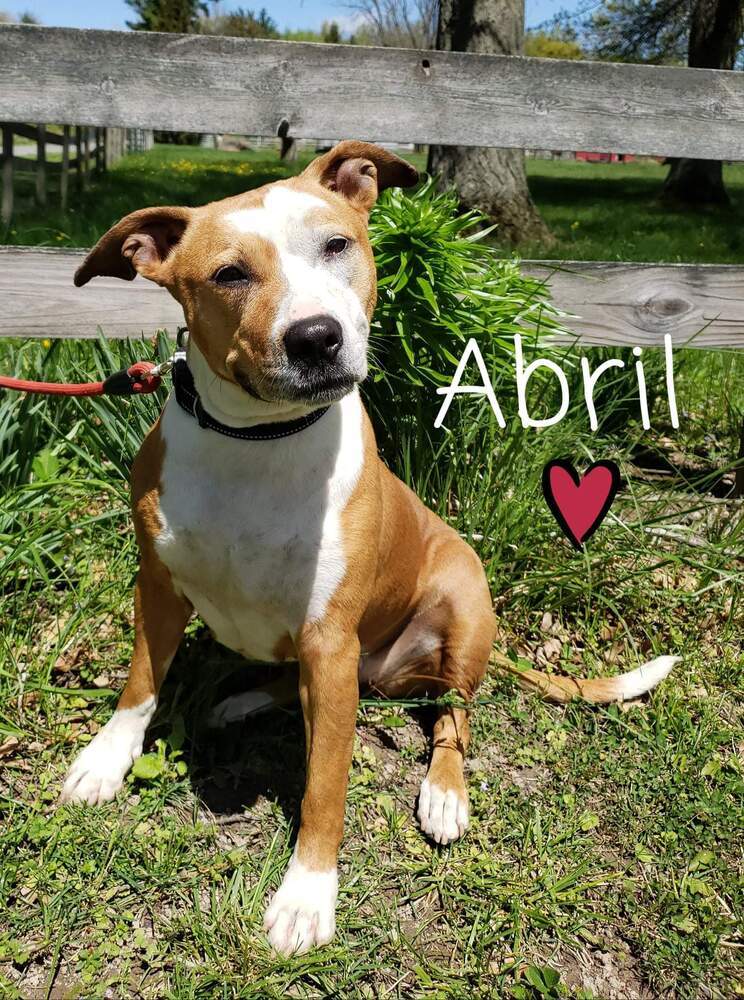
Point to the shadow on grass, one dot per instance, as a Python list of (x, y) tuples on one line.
[(606, 212), (572, 190), (231, 768), (262, 756)]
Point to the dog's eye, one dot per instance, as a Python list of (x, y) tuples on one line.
[(336, 245), (230, 275)]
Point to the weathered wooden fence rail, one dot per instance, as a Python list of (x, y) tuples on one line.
[(212, 84), (699, 306), (256, 87)]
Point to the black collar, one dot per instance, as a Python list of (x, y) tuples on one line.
[(188, 399)]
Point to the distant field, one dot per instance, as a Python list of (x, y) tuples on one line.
[(597, 211), (612, 211)]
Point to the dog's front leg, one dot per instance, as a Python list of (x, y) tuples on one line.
[(160, 617), (302, 912)]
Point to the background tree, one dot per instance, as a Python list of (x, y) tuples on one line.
[(714, 40), (554, 44), (240, 23), (330, 32), (398, 23), (704, 33), (25, 18), (647, 31), (491, 180), (181, 16)]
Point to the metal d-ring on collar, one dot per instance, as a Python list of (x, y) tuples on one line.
[(188, 399)]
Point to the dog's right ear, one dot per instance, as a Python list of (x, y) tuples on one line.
[(139, 243)]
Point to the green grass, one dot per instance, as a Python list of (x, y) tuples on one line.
[(612, 211), (604, 858), (605, 845)]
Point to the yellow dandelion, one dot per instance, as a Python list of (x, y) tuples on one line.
[(46, 343)]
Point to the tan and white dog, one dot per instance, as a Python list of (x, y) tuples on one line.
[(294, 542)]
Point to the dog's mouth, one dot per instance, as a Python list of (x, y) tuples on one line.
[(247, 386), (312, 385)]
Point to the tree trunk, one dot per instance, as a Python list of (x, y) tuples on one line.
[(490, 180), (695, 182), (715, 29)]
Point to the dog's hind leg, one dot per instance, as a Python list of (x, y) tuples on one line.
[(275, 694), (444, 647), (443, 809), (160, 617)]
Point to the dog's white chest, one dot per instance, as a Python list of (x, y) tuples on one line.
[(252, 530)]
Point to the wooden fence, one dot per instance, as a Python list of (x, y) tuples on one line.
[(83, 151), (86, 142), (257, 87)]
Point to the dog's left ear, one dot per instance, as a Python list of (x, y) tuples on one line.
[(359, 171)]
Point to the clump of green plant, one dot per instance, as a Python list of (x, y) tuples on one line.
[(439, 284)]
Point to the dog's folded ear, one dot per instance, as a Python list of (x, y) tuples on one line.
[(359, 171), (139, 243)]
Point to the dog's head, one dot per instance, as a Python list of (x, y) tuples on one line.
[(278, 284)]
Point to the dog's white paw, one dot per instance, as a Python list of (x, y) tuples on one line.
[(98, 772), (239, 706), (444, 815), (302, 914)]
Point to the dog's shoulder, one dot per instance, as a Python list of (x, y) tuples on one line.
[(146, 483)]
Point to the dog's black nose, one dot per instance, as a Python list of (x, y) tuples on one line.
[(314, 340)]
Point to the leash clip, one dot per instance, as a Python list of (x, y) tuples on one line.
[(164, 368)]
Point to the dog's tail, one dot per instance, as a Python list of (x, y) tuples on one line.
[(601, 690)]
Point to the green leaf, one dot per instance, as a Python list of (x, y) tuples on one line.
[(551, 977), (702, 860), (393, 721), (177, 734), (697, 887), (643, 854), (148, 767), (428, 293), (684, 923), (422, 975), (45, 465), (534, 977), (589, 821)]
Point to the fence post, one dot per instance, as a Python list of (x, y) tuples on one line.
[(79, 156), (7, 159), (64, 180), (99, 133), (114, 147), (86, 156), (41, 191)]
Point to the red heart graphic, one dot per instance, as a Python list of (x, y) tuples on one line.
[(579, 504)]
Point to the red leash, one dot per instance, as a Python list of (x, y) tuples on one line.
[(140, 378)]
